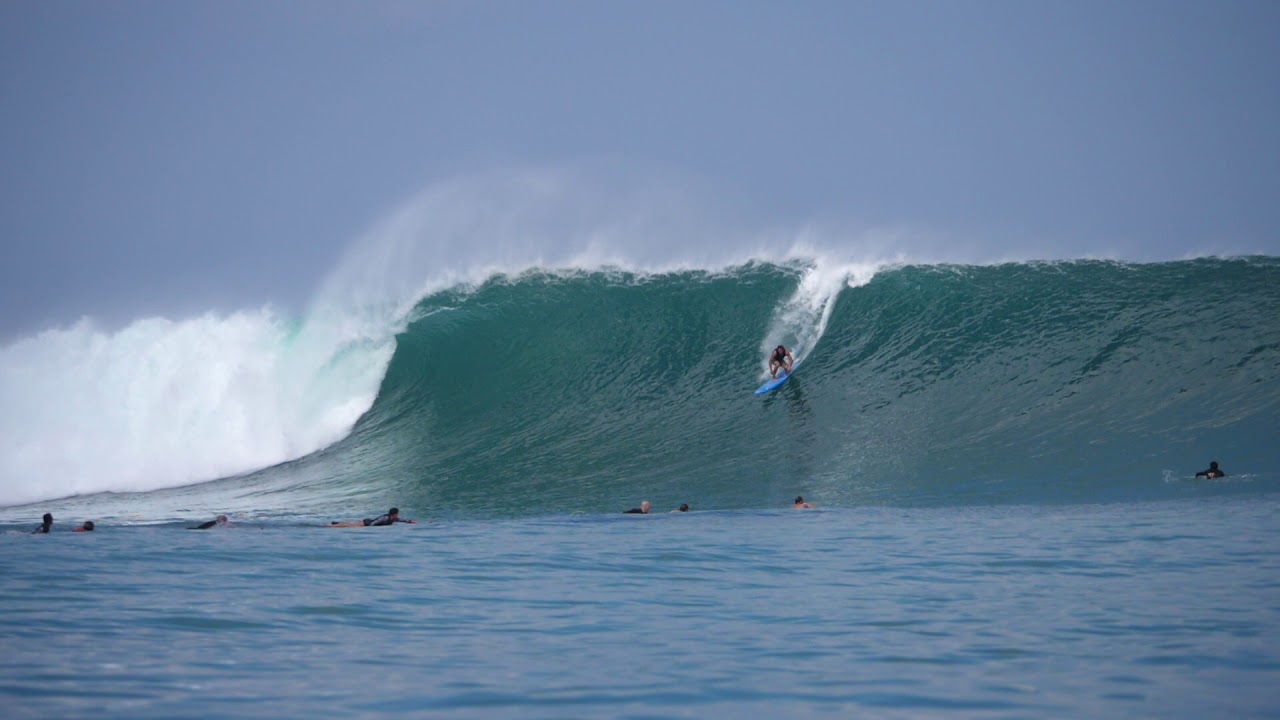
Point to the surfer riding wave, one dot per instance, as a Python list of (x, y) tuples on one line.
[(781, 358)]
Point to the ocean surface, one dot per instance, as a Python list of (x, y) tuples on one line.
[(1163, 609), (1002, 459)]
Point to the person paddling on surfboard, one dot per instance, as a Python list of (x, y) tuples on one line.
[(391, 518), (218, 522), (781, 358), (1213, 473)]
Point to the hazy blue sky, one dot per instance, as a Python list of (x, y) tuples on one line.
[(178, 156)]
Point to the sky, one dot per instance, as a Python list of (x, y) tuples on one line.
[(175, 157)]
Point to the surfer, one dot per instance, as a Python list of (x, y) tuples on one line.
[(220, 521), (684, 507), (642, 510), (46, 524), (781, 358), (800, 504), (391, 518), (86, 527), (1212, 473)]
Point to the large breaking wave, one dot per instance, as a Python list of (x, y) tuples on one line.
[(546, 392), (550, 350)]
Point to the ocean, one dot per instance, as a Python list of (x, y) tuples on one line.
[(1001, 457)]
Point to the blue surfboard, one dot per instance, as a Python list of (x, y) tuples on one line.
[(775, 382)]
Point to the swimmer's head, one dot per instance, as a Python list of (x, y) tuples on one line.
[(222, 519), (684, 507), (48, 517), (393, 511), (1213, 464), (799, 499), (88, 525)]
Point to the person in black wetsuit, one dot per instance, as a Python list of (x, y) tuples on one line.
[(781, 358), (46, 524), (642, 510), (391, 518), (220, 521), (1213, 473)]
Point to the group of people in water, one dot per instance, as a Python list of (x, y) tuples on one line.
[(46, 525), (392, 516), (644, 509), (799, 504)]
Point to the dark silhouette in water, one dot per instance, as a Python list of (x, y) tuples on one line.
[(46, 524), (1212, 473), (391, 518), (220, 521)]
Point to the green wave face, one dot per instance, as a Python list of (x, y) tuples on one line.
[(928, 385)]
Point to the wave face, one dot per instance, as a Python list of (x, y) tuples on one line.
[(1027, 383), (1018, 383)]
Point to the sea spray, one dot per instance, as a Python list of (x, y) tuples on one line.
[(161, 403)]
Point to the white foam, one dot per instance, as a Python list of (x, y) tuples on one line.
[(163, 403)]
